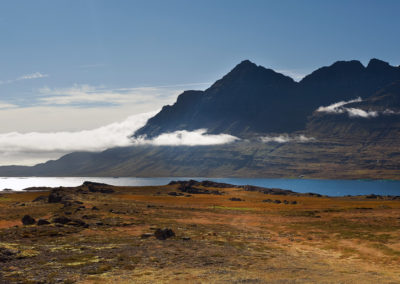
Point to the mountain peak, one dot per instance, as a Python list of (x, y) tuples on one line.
[(245, 65), (376, 64), (246, 62)]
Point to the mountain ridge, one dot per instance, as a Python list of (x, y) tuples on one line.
[(251, 100), (357, 139)]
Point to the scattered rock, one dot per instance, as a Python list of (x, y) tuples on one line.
[(277, 201), (273, 191), (78, 223), (7, 254), (98, 187), (146, 235), (28, 220), (95, 208), (173, 193), (235, 199), (42, 222), (61, 220), (163, 234), (55, 196), (40, 198)]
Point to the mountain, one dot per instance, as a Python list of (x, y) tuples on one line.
[(239, 103), (252, 100), (341, 121)]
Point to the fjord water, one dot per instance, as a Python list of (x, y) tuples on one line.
[(325, 187)]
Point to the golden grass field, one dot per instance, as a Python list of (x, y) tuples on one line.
[(317, 240)]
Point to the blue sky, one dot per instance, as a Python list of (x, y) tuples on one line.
[(80, 64)]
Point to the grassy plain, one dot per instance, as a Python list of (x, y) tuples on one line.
[(217, 240)]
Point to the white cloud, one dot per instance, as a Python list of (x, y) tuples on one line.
[(55, 144), (34, 147), (5, 105), (356, 112), (339, 107), (35, 75), (188, 138), (82, 107), (87, 94), (390, 112), (285, 138)]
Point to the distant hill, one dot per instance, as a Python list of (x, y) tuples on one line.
[(341, 121)]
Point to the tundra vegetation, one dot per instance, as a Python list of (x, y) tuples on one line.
[(191, 232)]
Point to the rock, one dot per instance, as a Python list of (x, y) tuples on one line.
[(277, 201), (185, 239), (95, 208), (235, 199), (173, 193), (268, 200), (78, 223), (293, 202), (42, 222), (163, 234), (55, 196), (7, 254), (40, 198), (285, 201), (98, 187), (28, 220), (61, 220), (146, 235)]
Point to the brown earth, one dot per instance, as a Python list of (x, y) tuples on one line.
[(217, 240)]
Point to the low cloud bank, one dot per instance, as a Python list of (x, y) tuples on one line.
[(285, 138), (35, 147), (188, 138), (339, 108)]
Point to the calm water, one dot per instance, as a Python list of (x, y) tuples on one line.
[(327, 187)]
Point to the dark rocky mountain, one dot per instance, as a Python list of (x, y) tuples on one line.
[(241, 102), (252, 100)]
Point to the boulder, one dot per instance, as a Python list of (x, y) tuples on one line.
[(28, 220), (61, 220), (163, 234)]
